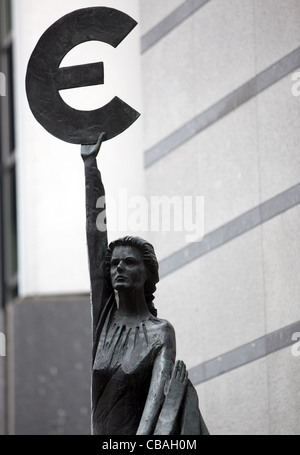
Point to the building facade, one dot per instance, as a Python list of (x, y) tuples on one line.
[(216, 83)]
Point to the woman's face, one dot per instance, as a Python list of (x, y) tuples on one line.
[(127, 268)]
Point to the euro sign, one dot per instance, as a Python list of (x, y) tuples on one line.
[(45, 78)]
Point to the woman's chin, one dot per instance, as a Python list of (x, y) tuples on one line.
[(121, 285)]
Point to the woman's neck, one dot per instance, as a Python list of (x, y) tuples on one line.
[(132, 304)]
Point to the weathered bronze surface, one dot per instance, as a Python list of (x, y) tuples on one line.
[(137, 385), (44, 78)]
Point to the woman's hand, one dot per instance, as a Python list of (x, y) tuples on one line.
[(93, 149)]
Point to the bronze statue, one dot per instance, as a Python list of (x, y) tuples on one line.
[(137, 386)]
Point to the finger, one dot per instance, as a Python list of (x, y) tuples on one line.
[(175, 369), (180, 366), (101, 138), (182, 372), (185, 380)]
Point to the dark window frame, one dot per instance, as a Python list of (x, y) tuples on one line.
[(8, 177)]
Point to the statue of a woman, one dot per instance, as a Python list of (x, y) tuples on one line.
[(137, 386)]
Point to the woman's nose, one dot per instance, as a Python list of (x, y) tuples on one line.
[(120, 266)]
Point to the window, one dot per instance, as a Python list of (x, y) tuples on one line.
[(8, 198)]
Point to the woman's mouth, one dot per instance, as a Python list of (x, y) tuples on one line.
[(120, 277)]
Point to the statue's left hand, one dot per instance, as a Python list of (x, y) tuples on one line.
[(178, 380), (93, 149)]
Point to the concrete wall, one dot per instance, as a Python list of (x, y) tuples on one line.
[(52, 364), (220, 121)]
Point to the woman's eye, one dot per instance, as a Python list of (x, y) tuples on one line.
[(130, 261)]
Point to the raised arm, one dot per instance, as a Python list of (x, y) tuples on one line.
[(96, 238)]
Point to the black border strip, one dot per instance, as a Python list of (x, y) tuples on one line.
[(179, 15), (245, 354), (246, 92), (215, 239)]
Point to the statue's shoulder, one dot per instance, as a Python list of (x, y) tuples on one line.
[(165, 328)]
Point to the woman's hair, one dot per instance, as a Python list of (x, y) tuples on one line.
[(150, 262)]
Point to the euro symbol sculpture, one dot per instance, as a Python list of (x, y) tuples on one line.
[(45, 78)]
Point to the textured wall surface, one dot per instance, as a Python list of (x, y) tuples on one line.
[(220, 121), (52, 358)]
